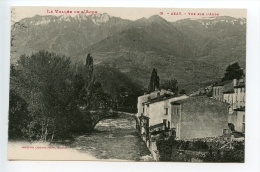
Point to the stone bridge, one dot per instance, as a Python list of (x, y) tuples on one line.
[(99, 115)]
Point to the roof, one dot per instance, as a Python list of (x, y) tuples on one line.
[(154, 93), (227, 86), (144, 117), (157, 125), (240, 86), (228, 91), (223, 83), (240, 109), (163, 97), (178, 102)]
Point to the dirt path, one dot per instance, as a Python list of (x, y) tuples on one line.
[(114, 139)]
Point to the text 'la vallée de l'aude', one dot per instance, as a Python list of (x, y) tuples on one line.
[(56, 11)]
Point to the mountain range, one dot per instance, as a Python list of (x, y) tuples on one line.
[(194, 51)]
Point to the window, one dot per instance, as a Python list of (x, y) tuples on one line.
[(166, 111), (243, 118), (231, 126), (177, 111)]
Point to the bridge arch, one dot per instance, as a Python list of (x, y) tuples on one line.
[(98, 116)]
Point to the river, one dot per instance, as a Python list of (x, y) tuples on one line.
[(113, 139)]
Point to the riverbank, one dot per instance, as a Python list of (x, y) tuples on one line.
[(112, 140)]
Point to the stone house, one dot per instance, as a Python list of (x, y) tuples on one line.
[(155, 116), (185, 117), (221, 87), (198, 117), (145, 97), (234, 95), (158, 109), (236, 120)]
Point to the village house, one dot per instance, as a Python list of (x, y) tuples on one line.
[(145, 97), (237, 107), (198, 117), (183, 116), (236, 120), (156, 113), (219, 88), (234, 95)]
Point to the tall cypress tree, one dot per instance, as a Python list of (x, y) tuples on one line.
[(89, 79)]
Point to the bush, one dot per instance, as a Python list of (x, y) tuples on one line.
[(225, 156), (184, 151)]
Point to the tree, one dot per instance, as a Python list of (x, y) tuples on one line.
[(172, 85), (89, 79), (99, 98), (44, 81), (79, 91), (18, 115), (233, 71), (154, 81)]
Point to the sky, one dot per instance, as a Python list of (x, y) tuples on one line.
[(170, 14)]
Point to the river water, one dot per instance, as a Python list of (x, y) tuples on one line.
[(114, 139)]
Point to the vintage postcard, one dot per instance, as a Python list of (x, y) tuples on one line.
[(127, 84)]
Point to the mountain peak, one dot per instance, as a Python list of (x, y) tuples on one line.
[(95, 18), (65, 17), (156, 18), (100, 18)]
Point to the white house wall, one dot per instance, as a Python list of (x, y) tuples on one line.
[(144, 98), (239, 124), (157, 110), (239, 98)]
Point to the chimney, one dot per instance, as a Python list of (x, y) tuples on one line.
[(234, 82), (158, 94)]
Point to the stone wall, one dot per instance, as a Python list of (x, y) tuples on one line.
[(203, 117)]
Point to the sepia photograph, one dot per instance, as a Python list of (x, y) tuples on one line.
[(127, 84)]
